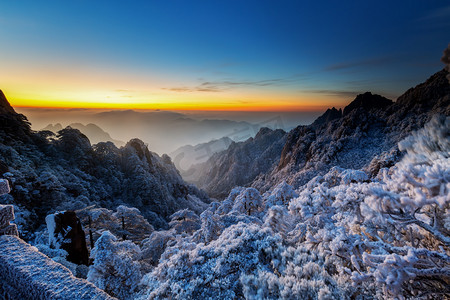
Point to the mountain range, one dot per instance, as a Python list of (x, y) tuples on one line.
[(364, 134), (92, 131), (163, 131)]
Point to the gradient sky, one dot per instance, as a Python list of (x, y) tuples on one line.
[(216, 55)]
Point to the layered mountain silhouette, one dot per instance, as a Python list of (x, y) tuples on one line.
[(187, 156), (92, 131), (362, 135)]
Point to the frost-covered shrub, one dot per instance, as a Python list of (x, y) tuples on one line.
[(125, 222), (280, 195), (249, 201), (300, 274), (390, 231), (154, 246), (185, 221), (414, 201), (202, 271), (58, 255), (134, 225), (116, 268)]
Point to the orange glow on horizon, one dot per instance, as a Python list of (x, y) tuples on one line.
[(183, 102), (93, 89), (186, 107)]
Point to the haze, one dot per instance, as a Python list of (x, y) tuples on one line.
[(165, 131)]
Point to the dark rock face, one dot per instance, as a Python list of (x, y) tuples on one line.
[(6, 216), (14, 125), (328, 116), (446, 60), (367, 101), (241, 163), (425, 95), (5, 107), (68, 226)]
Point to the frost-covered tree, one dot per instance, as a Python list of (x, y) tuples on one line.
[(199, 271), (125, 222), (116, 268), (280, 195), (153, 246), (184, 221), (248, 202), (343, 235)]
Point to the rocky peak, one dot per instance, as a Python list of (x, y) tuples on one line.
[(262, 132), (5, 107), (330, 115), (14, 126), (367, 101)]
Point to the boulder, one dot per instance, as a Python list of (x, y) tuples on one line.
[(66, 232)]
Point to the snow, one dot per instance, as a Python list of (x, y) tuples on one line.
[(50, 220), (116, 268), (33, 275), (342, 235)]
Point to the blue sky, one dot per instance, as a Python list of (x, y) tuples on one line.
[(248, 52)]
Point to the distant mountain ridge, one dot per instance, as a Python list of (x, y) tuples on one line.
[(187, 156), (178, 129), (356, 137), (92, 131)]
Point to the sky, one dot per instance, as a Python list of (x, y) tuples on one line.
[(216, 55)]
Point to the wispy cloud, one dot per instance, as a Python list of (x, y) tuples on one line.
[(434, 19), (219, 86), (126, 93), (437, 14), (331, 92), (361, 63)]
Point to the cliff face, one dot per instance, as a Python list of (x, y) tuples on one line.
[(241, 163)]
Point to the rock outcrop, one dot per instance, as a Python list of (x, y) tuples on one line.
[(6, 213), (66, 232)]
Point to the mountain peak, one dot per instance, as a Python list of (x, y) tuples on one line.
[(330, 115), (367, 101), (5, 107)]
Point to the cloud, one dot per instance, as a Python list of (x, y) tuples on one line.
[(356, 64), (201, 88), (219, 86), (351, 94), (341, 93)]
